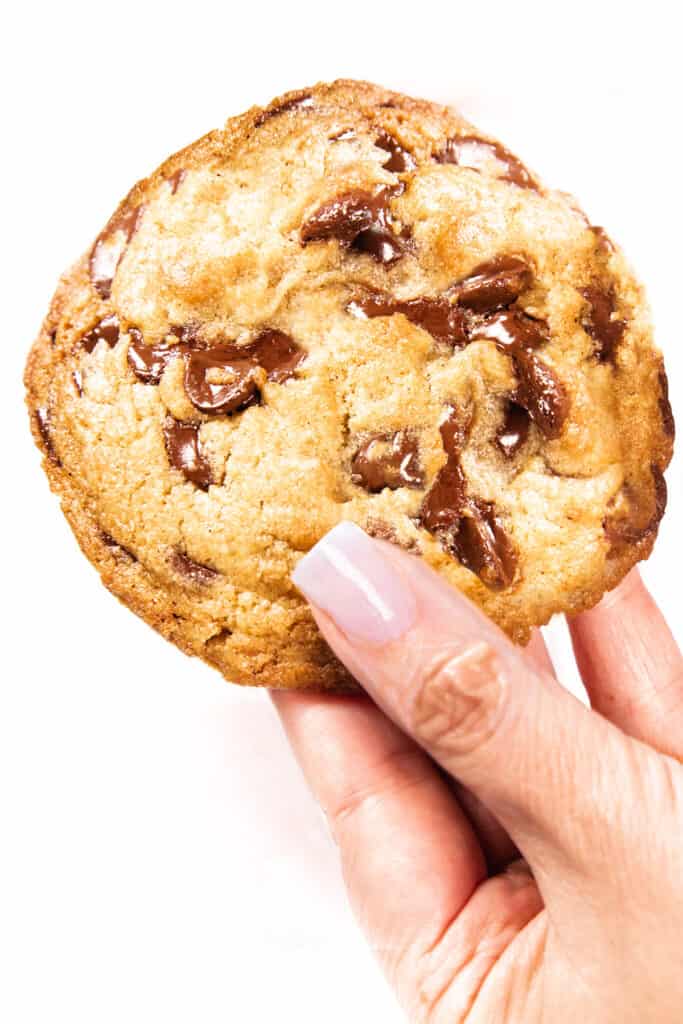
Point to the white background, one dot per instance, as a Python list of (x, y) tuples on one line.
[(161, 859)]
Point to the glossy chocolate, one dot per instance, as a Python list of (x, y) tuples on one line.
[(387, 460), (442, 319), (222, 379), (42, 417), (295, 103), (360, 220), (108, 329), (110, 246), (513, 431), (278, 354), (399, 160), (539, 389), (184, 452), (473, 152), (604, 328), (498, 282), (148, 362), (467, 527)]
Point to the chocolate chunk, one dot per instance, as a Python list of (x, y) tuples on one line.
[(53, 338), (513, 431), (359, 220), (42, 417), (77, 378), (236, 387), (482, 545), (668, 423), (193, 571), (498, 282), (467, 527), (599, 321), (399, 160), (602, 240), (343, 135), (278, 354), (633, 524), (387, 460), (473, 152), (512, 330), (118, 549), (444, 502), (295, 103), (541, 393), (107, 330), (185, 453), (439, 317), (176, 179), (148, 362), (110, 246)]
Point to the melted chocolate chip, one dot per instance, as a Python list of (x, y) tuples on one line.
[(110, 246), (473, 152), (442, 319), (665, 409), (359, 220), (541, 393), (119, 549), (77, 378), (498, 282), (193, 571), (628, 526), (176, 179), (467, 527), (443, 504), (483, 547), (387, 460), (236, 387), (343, 135), (602, 240), (399, 160), (53, 337), (42, 417), (513, 431), (107, 330), (295, 103), (278, 354), (148, 362), (185, 453), (599, 322), (512, 330)]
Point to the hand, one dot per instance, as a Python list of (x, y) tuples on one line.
[(511, 855)]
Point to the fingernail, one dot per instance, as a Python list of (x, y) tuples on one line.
[(347, 576)]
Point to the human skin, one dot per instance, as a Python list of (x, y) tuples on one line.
[(511, 855)]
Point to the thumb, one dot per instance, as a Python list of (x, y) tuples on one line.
[(547, 767)]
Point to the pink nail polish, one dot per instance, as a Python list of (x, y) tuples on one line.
[(348, 576)]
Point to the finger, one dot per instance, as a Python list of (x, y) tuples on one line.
[(631, 666), (499, 850), (409, 855), (538, 652), (542, 763)]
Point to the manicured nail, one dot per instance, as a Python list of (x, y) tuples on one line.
[(347, 576)]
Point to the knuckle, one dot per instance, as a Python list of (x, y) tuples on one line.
[(458, 701)]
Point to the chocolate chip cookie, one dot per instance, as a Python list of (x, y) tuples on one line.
[(348, 305)]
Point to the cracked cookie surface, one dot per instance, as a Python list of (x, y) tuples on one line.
[(348, 305)]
